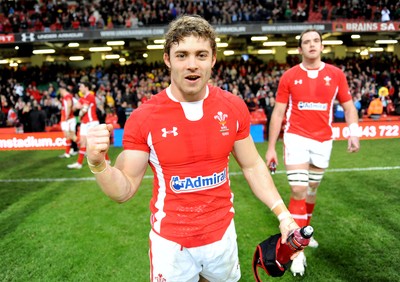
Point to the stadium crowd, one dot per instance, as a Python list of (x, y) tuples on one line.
[(40, 15), (28, 93)]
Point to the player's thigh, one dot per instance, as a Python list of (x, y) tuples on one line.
[(296, 149), (170, 261), (220, 259), (320, 153)]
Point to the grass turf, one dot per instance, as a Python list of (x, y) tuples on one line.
[(56, 224)]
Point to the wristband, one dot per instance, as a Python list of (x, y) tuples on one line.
[(284, 215), (354, 129), (276, 204), (97, 169)]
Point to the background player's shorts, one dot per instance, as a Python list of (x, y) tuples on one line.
[(85, 127), (300, 150), (218, 261), (69, 125)]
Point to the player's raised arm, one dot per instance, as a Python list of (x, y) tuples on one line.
[(122, 181)]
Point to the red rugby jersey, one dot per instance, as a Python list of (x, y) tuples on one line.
[(192, 203)]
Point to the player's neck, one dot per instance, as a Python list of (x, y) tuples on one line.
[(312, 64)]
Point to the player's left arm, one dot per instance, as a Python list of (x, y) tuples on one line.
[(351, 117), (260, 181)]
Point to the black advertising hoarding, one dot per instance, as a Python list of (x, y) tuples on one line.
[(146, 32)]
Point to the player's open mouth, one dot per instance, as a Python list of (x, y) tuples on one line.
[(192, 77)]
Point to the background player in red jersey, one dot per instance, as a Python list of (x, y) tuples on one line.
[(68, 120), (306, 94), (186, 134), (88, 119)]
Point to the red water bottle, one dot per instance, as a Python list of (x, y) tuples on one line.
[(295, 242), (272, 167)]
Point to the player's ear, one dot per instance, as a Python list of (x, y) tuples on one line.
[(167, 60)]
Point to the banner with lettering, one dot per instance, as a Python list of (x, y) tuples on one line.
[(369, 130), (32, 141)]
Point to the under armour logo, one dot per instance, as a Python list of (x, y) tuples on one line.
[(174, 131), (28, 37), (327, 80), (300, 81)]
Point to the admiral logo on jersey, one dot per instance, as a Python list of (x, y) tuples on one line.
[(312, 106), (191, 184)]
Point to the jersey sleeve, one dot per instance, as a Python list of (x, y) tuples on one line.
[(283, 93), (135, 136), (243, 121), (344, 94)]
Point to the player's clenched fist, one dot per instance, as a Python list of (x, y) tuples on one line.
[(98, 142)]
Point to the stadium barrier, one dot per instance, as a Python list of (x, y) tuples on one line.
[(55, 140)]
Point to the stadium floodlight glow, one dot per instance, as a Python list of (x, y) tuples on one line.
[(43, 51), (155, 47), (274, 43), (222, 45), (100, 49), (293, 52), (73, 44), (259, 38), (112, 56), (76, 58), (265, 51), (229, 52), (376, 49), (2, 62), (115, 43), (332, 42), (355, 36), (327, 50), (159, 41), (386, 41)]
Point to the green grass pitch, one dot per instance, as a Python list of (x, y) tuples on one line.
[(56, 224)]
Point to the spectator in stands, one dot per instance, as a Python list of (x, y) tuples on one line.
[(385, 14), (37, 118), (375, 108)]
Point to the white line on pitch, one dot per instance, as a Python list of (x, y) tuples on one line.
[(151, 176)]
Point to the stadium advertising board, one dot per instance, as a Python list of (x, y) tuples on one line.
[(365, 26), (57, 141), (32, 141), (369, 130)]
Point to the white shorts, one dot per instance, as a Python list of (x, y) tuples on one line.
[(85, 127), (69, 125), (218, 261), (300, 150)]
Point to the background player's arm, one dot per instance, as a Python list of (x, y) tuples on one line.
[(351, 116), (275, 128), (256, 173)]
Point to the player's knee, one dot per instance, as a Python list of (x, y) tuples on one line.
[(298, 178)]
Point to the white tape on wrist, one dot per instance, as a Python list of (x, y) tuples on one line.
[(284, 215), (277, 203)]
